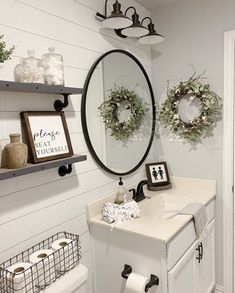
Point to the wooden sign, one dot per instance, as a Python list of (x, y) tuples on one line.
[(46, 135), (157, 174)]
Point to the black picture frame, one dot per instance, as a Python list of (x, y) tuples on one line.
[(157, 174), (47, 135)]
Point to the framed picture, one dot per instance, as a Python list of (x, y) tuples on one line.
[(157, 174), (46, 135)]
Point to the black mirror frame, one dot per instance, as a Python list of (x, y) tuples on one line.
[(84, 121)]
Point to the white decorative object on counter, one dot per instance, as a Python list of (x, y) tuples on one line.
[(29, 69), (115, 213), (53, 68)]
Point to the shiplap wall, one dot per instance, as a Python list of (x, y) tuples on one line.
[(36, 206)]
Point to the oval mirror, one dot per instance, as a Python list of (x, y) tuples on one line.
[(118, 112)]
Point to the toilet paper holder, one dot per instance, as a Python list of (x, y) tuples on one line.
[(154, 280)]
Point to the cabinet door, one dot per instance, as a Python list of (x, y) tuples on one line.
[(206, 267), (183, 276)]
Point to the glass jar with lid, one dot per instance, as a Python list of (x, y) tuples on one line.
[(53, 67), (29, 69)]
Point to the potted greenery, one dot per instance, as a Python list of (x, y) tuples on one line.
[(5, 54)]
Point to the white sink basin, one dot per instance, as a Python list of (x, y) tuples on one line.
[(163, 206)]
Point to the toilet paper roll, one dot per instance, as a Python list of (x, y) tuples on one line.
[(136, 283), (66, 253), (44, 262), (21, 278)]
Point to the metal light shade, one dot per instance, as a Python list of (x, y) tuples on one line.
[(116, 20), (136, 30), (152, 37)]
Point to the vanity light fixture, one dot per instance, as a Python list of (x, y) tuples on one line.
[(117, 19), (136, 30), (152, 37), (125, 27)]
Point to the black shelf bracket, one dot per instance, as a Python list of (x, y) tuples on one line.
[(59, 105), (64, 170)]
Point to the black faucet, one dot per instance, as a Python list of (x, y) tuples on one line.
[(138, 194)]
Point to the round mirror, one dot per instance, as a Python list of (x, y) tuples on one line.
[(118, 112)]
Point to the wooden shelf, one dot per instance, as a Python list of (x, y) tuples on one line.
[(64, 165), (32, 168), (38, 88)]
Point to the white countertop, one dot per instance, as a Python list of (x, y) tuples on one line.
[(193, 190)]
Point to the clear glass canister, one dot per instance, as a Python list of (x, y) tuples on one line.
[(31, 69), (53, 68)]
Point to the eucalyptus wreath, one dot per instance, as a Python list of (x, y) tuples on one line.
[(210, 109), (122, 130)]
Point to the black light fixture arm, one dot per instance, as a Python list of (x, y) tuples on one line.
[(116, 8), (150, 25), (135, 19), (105, 11), (130, 7), (147, 17)]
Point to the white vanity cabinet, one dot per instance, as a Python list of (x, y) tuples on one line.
[(195, 271), (182, 278), (153, 244), (206, 267)]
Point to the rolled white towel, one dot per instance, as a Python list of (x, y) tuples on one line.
[(114, 213)]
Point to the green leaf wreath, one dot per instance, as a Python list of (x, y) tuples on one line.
[(108, 111), (4, 53), (210, 112)]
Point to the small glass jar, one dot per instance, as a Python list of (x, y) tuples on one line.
[(53, 68), (29, 69), (19, 70)]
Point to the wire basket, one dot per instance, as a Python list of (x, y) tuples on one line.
[(29, 277)]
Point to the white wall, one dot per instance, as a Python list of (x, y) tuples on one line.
[(194, 35), (36, 206)]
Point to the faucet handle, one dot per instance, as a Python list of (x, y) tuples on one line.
[(133, 192)]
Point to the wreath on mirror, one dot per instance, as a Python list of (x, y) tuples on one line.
[(122, 130), (210, 109)]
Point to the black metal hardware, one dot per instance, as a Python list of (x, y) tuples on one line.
[(154, 281), (133, 192), (151, 27), (127, 271), (63, 170), (116, 10), (198, 257), (59, 105), (200, 252), (139, 194)]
